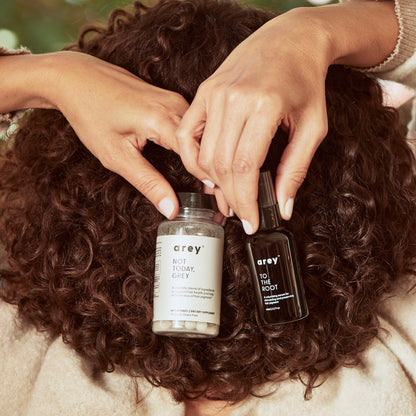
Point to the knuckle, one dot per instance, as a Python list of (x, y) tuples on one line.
[(177, 98), (242, 166), (317, 124), (206, 86), (159, 118), (204, 163), (245, 205), (291, 173), (181, 135), (235, 92), (179, 105), (186, 136), (260, 99), (153, 121), (266, 101), (148, 185), (317, 130), (221, 167), (297, 177)]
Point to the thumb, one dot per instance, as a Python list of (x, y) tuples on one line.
[(146, 179), (295, 162)]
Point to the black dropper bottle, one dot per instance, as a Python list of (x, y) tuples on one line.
[(274, 263)]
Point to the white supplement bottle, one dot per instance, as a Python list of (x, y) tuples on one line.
[(188, 270)]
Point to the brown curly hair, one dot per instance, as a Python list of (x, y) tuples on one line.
[(79, 240)]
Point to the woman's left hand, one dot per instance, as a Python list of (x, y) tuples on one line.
[(115, 113)]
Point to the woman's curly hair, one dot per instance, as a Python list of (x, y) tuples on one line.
[(79, 240)]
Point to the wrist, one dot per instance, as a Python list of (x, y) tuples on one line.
[(34, 81), (49, 74), (361, 34), (304, 31), (24, 83)]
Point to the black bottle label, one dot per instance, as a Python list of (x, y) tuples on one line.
[(276, 276)]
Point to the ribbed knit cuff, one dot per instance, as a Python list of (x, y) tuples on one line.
[(8, 120), (406, 43), (407, 14)]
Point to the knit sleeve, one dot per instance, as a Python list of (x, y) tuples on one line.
[(406, 45), (8, 120)]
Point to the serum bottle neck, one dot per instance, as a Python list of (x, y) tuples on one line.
[(270, 218)]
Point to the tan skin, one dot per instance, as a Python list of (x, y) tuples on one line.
[(277, 77), (112, 111)]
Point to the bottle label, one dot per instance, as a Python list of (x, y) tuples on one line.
[(277, 280), (188, 272), (272, 281)]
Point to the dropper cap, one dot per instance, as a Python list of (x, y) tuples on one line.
[(268, 209)]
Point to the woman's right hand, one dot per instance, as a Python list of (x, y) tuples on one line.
[(269, 80), (113, 112), (276, 77)]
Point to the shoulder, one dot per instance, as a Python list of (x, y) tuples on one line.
[(22, 350), (381, 385)]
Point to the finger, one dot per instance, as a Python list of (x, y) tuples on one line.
[(162, 125), (222, 203), (128, 162), (250, 155), (222, 147), (188, 136), (211, 136), (295, 161)]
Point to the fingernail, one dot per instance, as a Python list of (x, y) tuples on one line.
[(289, 207), (208, 183), (247, 227), (166, 207), (230, 212)]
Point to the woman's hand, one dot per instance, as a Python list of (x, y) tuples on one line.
[(113, 112), (270, 79), (276, 77)]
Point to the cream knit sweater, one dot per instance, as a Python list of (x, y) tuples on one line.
[(45, 377), (41, 376), (400, 66)]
